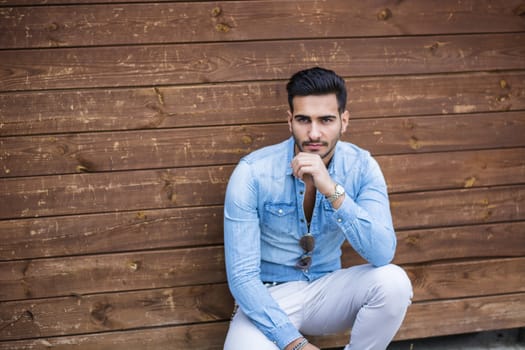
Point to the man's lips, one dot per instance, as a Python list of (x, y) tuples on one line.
[(313, 145)]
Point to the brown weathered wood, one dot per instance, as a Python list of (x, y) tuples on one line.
[(114, 311), (462, 207), (255, 102), (456, 242), (203, 63), (110, 232), (52, 26), (426, 319), (106, 192), (429, 171), (165, 188), (27, 279), (107, 312), (490, 240), (175, 228), (62, 154), (423, 320), (469, 278), (93, 152), (463, 316), (204, 336)]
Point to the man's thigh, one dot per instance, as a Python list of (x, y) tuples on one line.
[(333, 302), (243, 334)]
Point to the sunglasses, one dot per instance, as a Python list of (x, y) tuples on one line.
[(307, 242)]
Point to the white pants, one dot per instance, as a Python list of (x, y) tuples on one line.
[(372, 301)]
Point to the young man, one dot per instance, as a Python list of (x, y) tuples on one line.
[(288, 209)]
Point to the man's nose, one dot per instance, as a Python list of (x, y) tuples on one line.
[(315, 132)]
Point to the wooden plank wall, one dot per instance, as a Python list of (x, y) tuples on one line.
[(121, 123)]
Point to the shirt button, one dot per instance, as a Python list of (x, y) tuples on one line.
[(301, 192), (280, 211), (339, 220)]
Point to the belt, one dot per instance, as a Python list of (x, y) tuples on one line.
[(272, 284)]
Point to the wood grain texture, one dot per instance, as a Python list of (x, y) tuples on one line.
[(126, 66), (463, 316), (208, 146), (457, 207), (110, 232), (170, 188), (71, 276), (115, 311), (121, 121), (53, 112), (109, 312), (88, 25)]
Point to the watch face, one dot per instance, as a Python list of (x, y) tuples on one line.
[(339, 189)]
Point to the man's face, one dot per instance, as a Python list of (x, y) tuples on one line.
[(316, 124)]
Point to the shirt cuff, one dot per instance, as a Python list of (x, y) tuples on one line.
[(284, 335)]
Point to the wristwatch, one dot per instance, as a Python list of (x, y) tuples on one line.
[(339, 191)]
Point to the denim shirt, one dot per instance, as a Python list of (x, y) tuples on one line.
[(264, 221)]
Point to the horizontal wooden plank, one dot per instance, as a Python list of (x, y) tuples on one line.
[(147, 149), (423, 320), (431, 171), (242, 61), (114, 311), (467, 278), (463, 207), (66, 276), (84, 25), (247, 103), (176, 228), (186, 227), (207, 336), (120, 191), (167, 188), (162, 307), (462, 316), (456, 242), (110, 232), (71, 276)]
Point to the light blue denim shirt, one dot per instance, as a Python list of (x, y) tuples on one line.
[(264, 221)]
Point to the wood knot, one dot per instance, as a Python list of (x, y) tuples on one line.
[(53, 27), (247, 140), (384, 15), (222, 27), (414, 143), (503, 84), (99, 313), (470, 182), (433, 47), (216, 11), (412, 240)]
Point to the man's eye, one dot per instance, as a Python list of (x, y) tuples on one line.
[(303, 120), (327, 120)]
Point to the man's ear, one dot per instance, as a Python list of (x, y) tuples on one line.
[(290, 118), (344, 120)]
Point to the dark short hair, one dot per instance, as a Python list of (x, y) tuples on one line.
[(317, 81)]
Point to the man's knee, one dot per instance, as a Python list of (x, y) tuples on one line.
[(393, 285)]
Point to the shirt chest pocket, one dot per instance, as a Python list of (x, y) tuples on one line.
[(279, 218)]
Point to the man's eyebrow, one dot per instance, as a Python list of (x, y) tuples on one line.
[(309, 117), (301, 116)]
